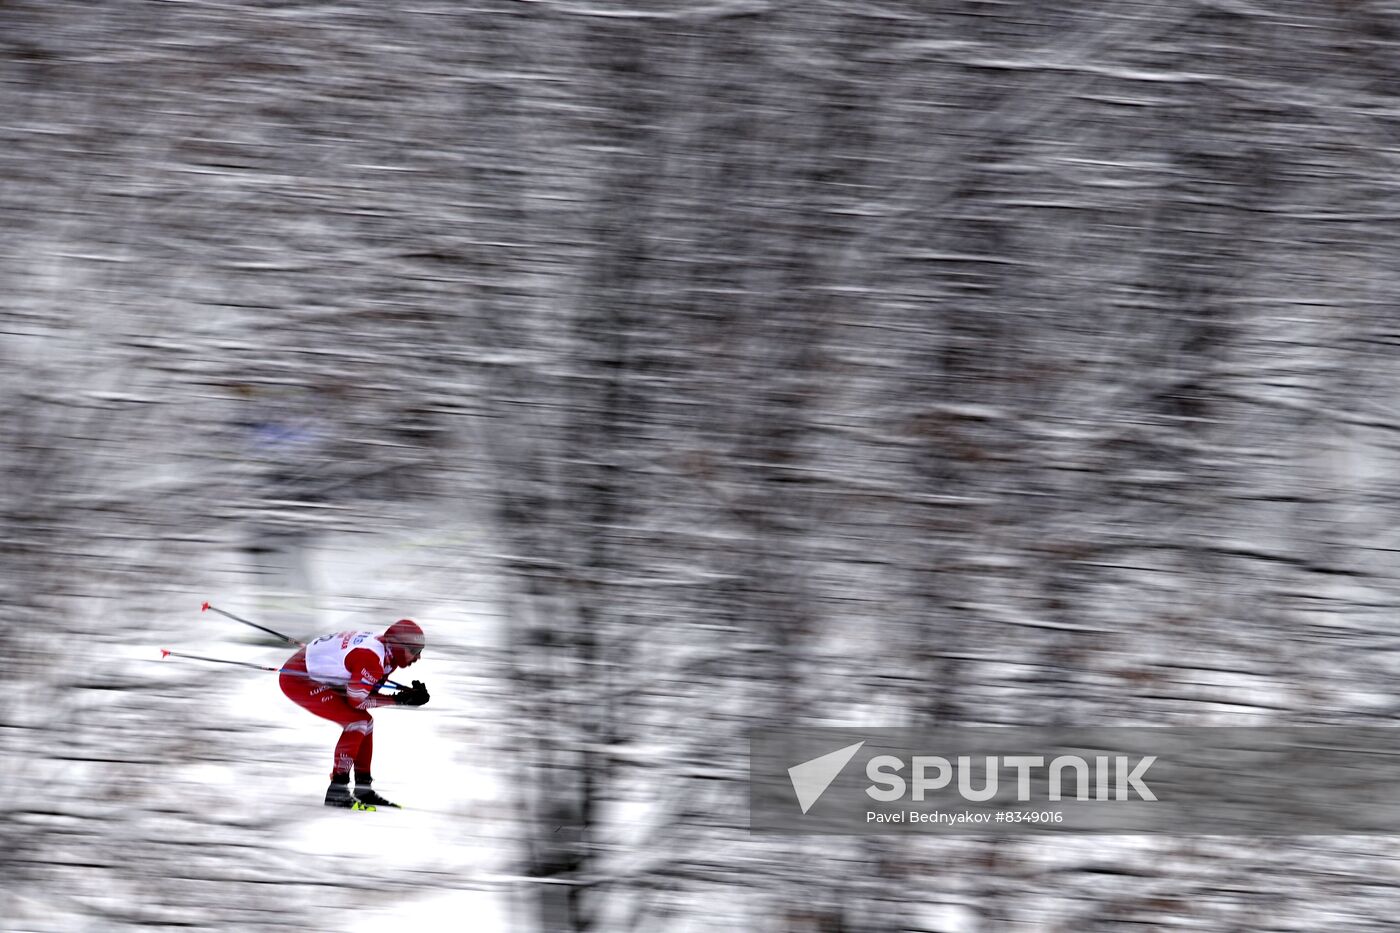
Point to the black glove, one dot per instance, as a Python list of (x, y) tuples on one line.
[(415, 695)]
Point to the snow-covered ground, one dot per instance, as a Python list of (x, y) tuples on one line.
[(439, 761), (442, 862)]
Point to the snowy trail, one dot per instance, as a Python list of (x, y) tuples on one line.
[(442, 858)]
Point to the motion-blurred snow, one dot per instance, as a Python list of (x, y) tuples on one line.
[(681, 368)]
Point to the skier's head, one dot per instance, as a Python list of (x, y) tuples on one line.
[(405, 642)]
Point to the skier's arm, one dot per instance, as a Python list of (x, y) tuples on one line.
[(366, 673)]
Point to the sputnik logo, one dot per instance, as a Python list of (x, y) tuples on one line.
[(811, 778)]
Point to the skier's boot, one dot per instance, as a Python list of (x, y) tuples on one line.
[(367, 796), (338, 795)]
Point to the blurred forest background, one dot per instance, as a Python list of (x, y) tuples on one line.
[(685, 367)]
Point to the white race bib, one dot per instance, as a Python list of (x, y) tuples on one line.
[(325, 657)]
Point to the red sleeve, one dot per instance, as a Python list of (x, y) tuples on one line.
[(365, 673)]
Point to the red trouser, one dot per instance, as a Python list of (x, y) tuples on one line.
[(356, 745)]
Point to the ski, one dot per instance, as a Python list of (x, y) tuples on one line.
[(368, 807)]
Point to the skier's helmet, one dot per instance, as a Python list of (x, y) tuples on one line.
[(405, 642)]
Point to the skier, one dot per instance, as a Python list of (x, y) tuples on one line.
[(338, 677)]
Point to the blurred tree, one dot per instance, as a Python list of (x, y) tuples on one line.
[(830, 363)]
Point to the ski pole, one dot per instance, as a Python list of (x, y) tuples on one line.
[(261, 628), (167, 653)]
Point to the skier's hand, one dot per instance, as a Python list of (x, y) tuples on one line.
[(416, 695)]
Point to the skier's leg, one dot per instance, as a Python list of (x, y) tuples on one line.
[(364, 757), (311, 695), (352, 740), (356, 725), (322, 699)]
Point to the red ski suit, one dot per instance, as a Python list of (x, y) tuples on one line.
[(346, 670)]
